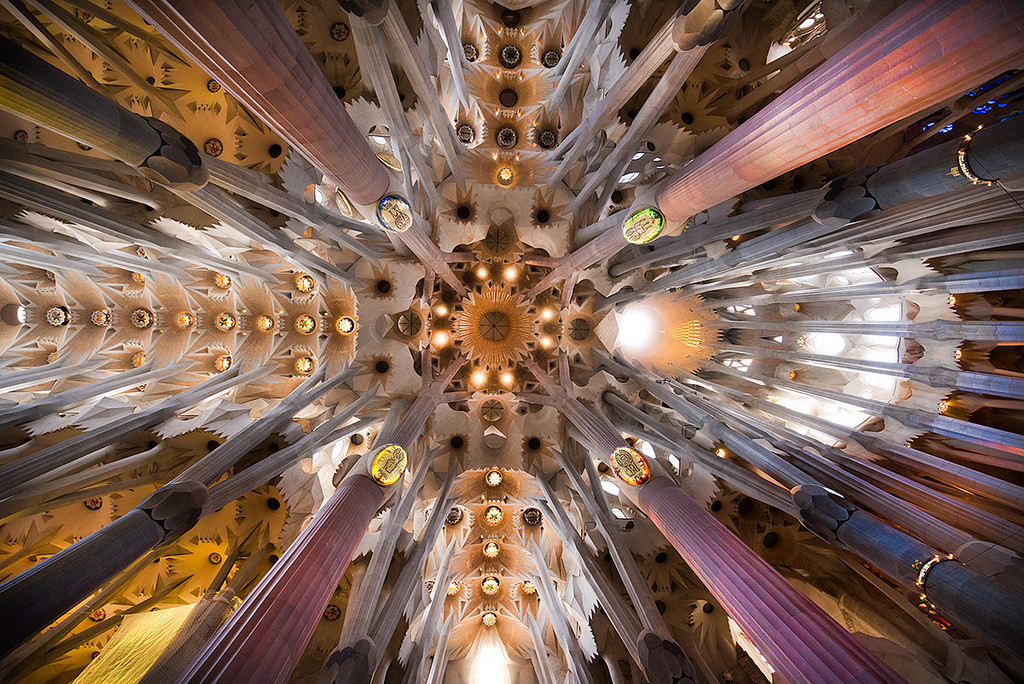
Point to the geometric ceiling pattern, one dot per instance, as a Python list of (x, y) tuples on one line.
[(593, 341)]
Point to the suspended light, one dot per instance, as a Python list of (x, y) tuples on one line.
[(478, 378), (440, 339), (510, 273), (507, 378), (547, 314)]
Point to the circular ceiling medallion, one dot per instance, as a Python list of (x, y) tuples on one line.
[(643, 226), (532, 516), (492, 411), (630, 466), (388, 464), (506, 137), (225, 321), (510, 56), (493, 515), (493, 478), (494, 326), (454, 516), (305, 324), (489, 619), (491, 549), (346, 325), (304, 365), (490, 585), (394, 213)]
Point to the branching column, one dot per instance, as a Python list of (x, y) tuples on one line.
[(797, 637), (252, 50), (938, 44)]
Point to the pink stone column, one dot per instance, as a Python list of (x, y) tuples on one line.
[(249, 47), (922, 53), (263, 640), (797, 637)]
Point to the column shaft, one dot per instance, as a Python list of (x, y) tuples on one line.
[(938, 44), (796, 636)]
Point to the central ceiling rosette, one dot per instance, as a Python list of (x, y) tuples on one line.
[(495, 327)]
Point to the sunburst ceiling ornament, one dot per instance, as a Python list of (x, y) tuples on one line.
[(494, 327)]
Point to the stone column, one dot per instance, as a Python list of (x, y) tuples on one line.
[(35, 89), (35, 598), (263, 640), (979, 603), (797, 637), (252, 50), (939, 44)]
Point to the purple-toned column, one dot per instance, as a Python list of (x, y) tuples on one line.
[(919, 55), (797, 637), (265, 637), (249, 47)]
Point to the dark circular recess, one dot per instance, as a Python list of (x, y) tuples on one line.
[(770, 540), (454, 516), (708, 608), (510, 56), (463, 212), (532, 516), (661, 557), (607, 558), (510, 18), (634, 53), (686, 118), (506, 137), (660, 605), (466, 133), (273, 503), (533, 444), (273, 447), (212, 444), (340, 31), (150, 80), (273, 558), (630, 114), (745, 505), (340, 92), (457, 442), (579, 329), (543, 216), (357, 439), (550, 58), (470, 51), (508, 97), (547, 138), (616, 196), (276, 150), (383, 286), (744, 65), (716, 506), (603, 468), (382, 367)]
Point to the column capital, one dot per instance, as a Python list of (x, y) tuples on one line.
[(176, 507)]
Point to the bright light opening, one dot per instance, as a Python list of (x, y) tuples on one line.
[(379, 139), (490, 664), (638, 328), (547, 314), (440, 339), (478, 378), (510, 273), (610, 487), (826, 344), (507, 378)]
